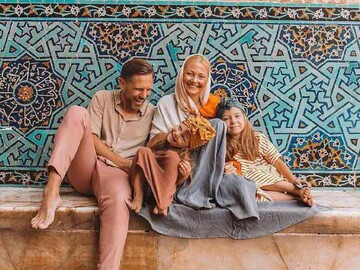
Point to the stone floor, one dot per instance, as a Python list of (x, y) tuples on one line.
[(329, 240)]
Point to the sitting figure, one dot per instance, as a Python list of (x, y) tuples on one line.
[(191, 96), (165, 163), (94, 148), (252, 155)]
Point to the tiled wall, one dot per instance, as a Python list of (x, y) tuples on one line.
[(296, 67)]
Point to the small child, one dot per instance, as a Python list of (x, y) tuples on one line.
[(165, 162), (252, 155)]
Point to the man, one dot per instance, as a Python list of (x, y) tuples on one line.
[(95, 149)]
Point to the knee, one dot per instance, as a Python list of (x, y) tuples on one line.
[(114, 210), (115, 202), (76, 115), (144, 151), (76, 112)]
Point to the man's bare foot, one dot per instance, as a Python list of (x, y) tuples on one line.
[(136, 204), (305, 196), (46, 214), (158, 211)]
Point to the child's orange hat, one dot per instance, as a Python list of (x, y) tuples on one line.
[(201, 131)]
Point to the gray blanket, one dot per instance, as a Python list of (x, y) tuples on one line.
[(216, 205)]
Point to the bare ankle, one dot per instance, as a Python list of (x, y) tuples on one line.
[(138, 195), (51, 191)]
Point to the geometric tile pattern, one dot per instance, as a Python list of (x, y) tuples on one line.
[(295, 68), (29, 93)]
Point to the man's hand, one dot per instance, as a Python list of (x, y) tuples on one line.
[(103, 150), (125, 165), (229, 168)]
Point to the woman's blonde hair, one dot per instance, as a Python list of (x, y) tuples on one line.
[(182, 98), (198, 58)]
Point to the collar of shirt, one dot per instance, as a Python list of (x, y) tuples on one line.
[(141, 111)]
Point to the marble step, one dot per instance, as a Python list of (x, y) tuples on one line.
[(329, 240)]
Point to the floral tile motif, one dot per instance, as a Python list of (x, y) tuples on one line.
[(24, 178), (30, 93), (124, 40), (240, 11), (331, 180), (38, 178), (319, 152), (317, 42)]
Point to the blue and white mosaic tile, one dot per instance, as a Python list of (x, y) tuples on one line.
[(295, 67)]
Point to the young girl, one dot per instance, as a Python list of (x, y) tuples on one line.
[(165, 162), (251, 154)]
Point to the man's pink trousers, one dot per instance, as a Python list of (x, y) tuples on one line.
[(74, 154)]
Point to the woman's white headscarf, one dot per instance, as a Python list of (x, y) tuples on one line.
[(183, 99)]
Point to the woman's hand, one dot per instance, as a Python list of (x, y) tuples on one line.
[(229, 168), (184, 169)]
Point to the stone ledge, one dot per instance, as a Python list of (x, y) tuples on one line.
[(77, 211), (19, 205), (344, 218), (278, 251), (329, 240)]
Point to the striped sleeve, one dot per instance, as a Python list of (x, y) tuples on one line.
[(267, 149)]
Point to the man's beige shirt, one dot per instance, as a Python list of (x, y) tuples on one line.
[(124, 137)]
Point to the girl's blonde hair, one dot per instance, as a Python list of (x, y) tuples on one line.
[(159, 144), (248, 142)]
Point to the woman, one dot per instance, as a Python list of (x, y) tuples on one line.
[(192, 96)]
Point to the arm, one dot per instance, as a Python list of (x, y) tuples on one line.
[(158, 125), (272, 156), (103, 150), (229, 168), (284, 170), (167, 115)]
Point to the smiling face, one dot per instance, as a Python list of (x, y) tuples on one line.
[(179, 136), (135, 91), (235, 121), (195, 78)]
